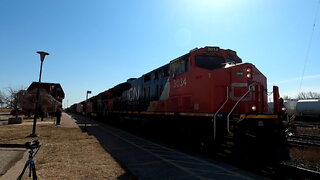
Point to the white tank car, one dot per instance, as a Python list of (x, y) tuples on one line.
[(291, 106), (301, 108), (308, 107)]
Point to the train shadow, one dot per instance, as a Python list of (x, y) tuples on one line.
[(94, 128)]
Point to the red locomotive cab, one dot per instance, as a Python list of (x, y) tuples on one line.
[(210, 79), (248, 90)]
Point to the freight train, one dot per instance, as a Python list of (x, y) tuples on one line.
[(208, 97)]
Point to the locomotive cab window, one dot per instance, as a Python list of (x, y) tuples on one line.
[(230, 61), (210, 62), (180, 66)]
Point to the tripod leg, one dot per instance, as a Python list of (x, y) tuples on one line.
[(24, 169), (30, 168), (34, 174)]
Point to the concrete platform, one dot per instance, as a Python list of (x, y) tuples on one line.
[(8, 158)]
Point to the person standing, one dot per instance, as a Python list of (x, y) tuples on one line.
[(58, 115)]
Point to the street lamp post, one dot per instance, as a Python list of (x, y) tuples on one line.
[(42, 56)]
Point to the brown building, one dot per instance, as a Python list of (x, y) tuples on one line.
[(54, 89)]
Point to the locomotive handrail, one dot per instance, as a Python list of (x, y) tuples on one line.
[(215, 115), (228, 117), (292, 117)]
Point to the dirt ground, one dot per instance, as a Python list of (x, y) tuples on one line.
[(66, 153)]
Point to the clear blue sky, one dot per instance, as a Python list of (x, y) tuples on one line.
[(97, 44)]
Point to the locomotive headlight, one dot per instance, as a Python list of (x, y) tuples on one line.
[(253, 108), (283, 109), (249, 71)]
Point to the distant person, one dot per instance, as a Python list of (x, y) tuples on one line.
[(58, 115), (41, 113)]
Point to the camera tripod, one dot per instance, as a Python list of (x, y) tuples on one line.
[(30, 162)]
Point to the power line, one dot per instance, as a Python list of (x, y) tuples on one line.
[(309, 45)]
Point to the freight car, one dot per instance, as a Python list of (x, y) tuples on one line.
[(210, 98), (303, 109), (308, 108)]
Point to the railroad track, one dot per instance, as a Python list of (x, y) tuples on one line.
[(285, 171), (304, 140), (306, 123)]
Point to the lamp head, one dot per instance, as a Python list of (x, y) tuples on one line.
[(42, 55)]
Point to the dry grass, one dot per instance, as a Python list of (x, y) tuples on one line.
[(47, 119), (66, 153)]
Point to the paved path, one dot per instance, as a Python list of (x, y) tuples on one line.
[(8, 157), (17, 167), (67, 121)]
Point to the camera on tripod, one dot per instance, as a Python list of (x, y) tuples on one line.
[(32, 145)]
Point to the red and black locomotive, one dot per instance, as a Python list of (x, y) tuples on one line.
[(210, 96)]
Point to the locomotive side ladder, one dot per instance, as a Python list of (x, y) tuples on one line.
[(215, 116), (250, 87), (228, 141)]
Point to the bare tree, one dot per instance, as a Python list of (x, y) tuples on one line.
[(308, 95), (47, 104), (314, 95), (20, 99), (2, 99), (302, 95), (286, 97), (13, 98)]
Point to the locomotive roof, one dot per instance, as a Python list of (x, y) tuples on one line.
[(180, 57)]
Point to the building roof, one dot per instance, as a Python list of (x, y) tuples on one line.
[(54, 89)]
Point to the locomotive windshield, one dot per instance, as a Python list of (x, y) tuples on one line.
[(210, 62)]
